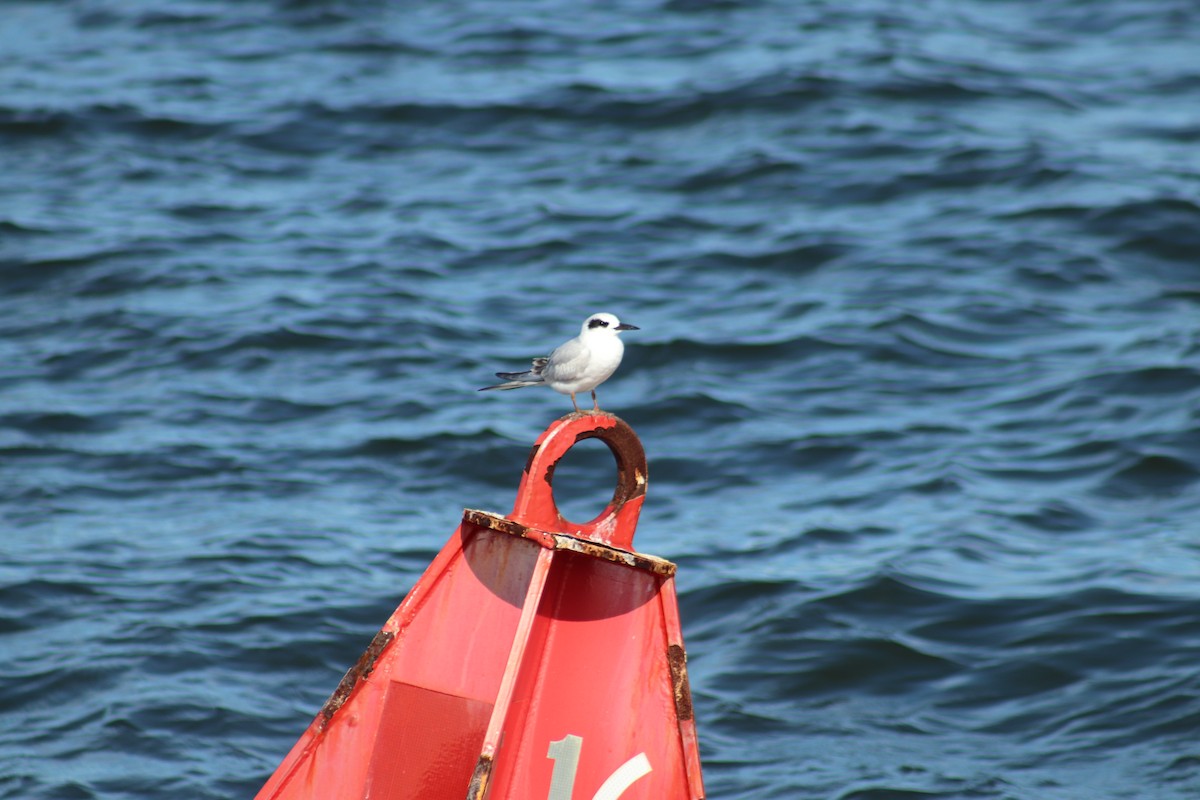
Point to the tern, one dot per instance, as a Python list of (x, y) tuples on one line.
[(577, 365)]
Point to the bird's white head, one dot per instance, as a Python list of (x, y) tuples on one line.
[(605, 324)]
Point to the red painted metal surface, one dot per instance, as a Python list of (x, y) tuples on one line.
[(536, 658)]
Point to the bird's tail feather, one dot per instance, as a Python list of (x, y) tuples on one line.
[(514, 384), (529, 376), (518, 380)]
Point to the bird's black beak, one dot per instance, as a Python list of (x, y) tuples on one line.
[(625, 326)]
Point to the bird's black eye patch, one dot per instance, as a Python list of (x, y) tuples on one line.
[(597, 323)]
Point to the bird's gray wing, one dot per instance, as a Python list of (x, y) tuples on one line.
[(567, 362)]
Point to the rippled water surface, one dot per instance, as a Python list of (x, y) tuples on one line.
[(918, 371)]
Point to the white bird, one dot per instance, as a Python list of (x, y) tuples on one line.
[(578, 365)]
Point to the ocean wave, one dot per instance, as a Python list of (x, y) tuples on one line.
[(123, 118)]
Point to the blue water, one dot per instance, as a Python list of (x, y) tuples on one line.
[(918, 371)]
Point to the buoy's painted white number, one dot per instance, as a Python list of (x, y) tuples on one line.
[(565, 754)]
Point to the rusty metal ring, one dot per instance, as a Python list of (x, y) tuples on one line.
[(535, 499), (629, 454)]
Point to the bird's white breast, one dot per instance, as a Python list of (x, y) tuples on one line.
[(590, 365)]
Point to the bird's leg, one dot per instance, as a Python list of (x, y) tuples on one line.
[(595, 402), (574, 403)]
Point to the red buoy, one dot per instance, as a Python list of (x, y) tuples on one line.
[(535, 658)]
